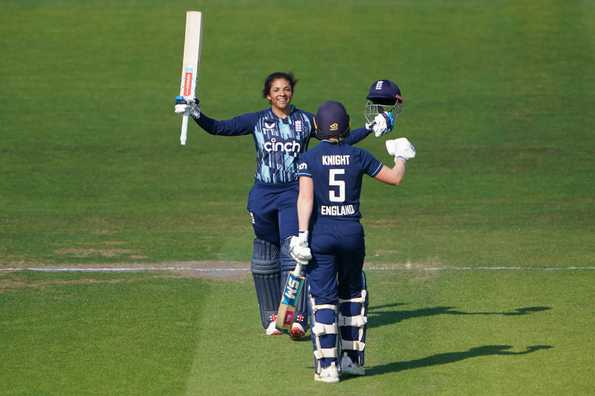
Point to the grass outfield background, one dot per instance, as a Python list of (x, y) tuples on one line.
[(453, 333), (499, 99)]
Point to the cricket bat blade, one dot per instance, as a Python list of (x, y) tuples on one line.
[(290, 297), (190, 63)]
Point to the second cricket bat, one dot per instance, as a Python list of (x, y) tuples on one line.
[(190, 63), (291, 294)]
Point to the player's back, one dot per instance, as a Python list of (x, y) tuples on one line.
[(336, 170)]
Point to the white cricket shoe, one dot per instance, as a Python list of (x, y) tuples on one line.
[(329, 374), (350, 367), (272, 329), (297, 330)]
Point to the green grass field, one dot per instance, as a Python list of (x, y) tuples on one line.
[(447, 332), (499, 98)]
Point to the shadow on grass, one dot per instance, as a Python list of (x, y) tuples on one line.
[(379, 317), (452, 357)]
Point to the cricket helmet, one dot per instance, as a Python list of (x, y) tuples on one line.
[(383, 95), (331, 121)]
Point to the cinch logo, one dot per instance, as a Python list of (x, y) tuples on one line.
[(379, 85), (303, 166), (291, 146)]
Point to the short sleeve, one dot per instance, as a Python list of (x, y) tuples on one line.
[(370, 165), (303, 167)]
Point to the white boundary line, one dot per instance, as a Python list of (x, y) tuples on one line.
[(404, 267)]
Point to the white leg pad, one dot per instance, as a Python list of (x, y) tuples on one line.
[(324, 335), (358, 322)]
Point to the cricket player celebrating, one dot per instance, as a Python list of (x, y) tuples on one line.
[(330, 180), (281, 133)]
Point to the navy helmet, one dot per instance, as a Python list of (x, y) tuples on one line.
[(383, 95), (332, 121)]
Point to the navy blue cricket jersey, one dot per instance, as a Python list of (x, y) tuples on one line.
[(336, 171), (278, 141)]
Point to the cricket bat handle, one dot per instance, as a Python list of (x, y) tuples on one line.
[(184, 130)]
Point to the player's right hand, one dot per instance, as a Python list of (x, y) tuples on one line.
[(299, 249), (400, 148), (184, 104)]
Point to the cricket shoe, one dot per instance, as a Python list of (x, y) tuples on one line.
[(351, 368), (297, 331), (329, 374), (272, 329)]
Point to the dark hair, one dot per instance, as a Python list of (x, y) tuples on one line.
[(275, 76)]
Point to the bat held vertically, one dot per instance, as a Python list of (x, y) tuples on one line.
[(190, 62)]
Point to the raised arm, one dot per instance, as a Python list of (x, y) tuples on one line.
[(237, 126), (393, 175), (357, 135)]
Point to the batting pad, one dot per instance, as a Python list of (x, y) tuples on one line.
[(266, 273)]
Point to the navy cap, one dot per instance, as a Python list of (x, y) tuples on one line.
[(384, 92), (332, 120)]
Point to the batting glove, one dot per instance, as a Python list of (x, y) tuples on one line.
[(184, 104), (383, 123), (299, 249), (400, 148)]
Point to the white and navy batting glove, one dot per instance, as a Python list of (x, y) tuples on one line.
[(299, 249), (400, 148), (184, 104), (383, 123)]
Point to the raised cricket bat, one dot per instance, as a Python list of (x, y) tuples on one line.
[(289, 299), (190, 63)]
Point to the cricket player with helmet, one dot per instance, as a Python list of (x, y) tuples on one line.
[(330, 180), (281, 133)]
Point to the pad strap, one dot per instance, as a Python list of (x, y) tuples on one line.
[(361, 299), (353, 345), (325, 353), (324, 306), (321, 329), (355, 321)]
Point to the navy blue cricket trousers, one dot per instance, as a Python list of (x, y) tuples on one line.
[(338, 251), (273, 211)]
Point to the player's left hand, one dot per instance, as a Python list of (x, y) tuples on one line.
[(383, 123), (400, 148), (192, 105), (299, 249)]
